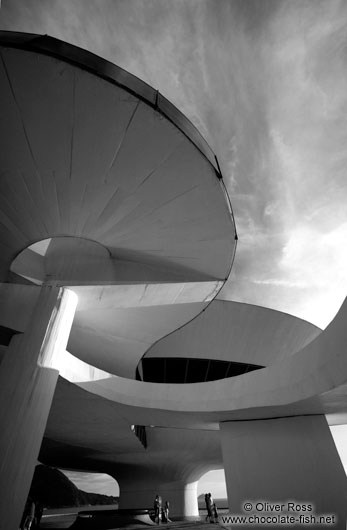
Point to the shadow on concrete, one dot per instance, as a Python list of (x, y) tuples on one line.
[(108, 519)]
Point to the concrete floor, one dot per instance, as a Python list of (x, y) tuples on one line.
[(65, 521)]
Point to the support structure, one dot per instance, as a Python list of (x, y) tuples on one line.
[(275, 462), (139, 492), (27, 384), (125, 205)]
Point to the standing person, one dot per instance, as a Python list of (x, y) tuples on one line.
[(206, 504), (157, 509), (208, 507), (38, 515), (29, 514), (166, 512), (215, 513)]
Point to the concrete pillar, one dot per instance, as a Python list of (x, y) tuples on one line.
[(281, 461), (140, 493), (27, 384)]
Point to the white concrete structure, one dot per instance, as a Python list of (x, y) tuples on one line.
[(27, 383), (288, 460), (110, 196)]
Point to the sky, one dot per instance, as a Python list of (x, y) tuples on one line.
[(265, 82), (213, 481)]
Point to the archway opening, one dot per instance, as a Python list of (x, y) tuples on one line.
[(213, 482), (94, 483), (55, 488)]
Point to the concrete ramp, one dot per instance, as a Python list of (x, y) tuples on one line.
[(109, 519)]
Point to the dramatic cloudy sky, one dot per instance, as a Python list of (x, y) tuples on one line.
[(266, 84)]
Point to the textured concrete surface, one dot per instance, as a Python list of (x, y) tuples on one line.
[(65, 521)]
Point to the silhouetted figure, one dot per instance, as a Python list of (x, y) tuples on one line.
[(29, 515), (157, 509), (208, 502), (38, 515), (215, 513), (166, 512)]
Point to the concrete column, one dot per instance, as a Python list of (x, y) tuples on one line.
[(140, 493), (27, 384), (280, 461)]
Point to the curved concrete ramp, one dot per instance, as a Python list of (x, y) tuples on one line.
[(108, 519)]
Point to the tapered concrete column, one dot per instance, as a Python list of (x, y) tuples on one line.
[(284, 460), (27, 384), (140, 493)]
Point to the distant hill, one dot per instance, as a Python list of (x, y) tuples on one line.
[(53, 489)]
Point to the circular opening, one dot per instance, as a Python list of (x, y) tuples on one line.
[(61, 260)]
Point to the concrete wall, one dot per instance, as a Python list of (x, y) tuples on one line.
[(139, 492), (280, 460)]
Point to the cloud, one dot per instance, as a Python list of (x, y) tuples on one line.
[(265, 83), (293, 256)]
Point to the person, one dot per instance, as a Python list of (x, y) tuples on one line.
[(29, 514), (166, 512), (215, 513), (208, 507), (38, 515), (157, 509)]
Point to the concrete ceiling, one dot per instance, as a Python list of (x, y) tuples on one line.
[(86, 430), (89, 159), (317, 369), (139, 225), (233, 331), (106, 188)]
